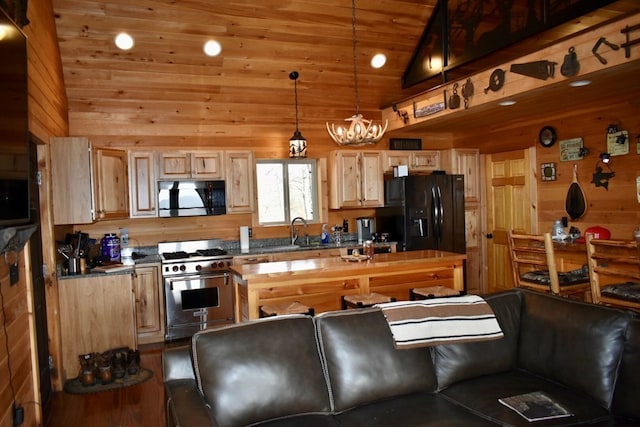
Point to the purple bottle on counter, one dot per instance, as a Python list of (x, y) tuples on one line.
[(111, 247)]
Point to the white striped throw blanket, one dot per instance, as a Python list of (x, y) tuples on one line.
[(440, 321)]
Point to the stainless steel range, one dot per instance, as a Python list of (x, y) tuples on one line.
[(197, 286)]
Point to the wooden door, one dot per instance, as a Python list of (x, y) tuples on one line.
[(149, 302), (511, 204), (425, 160), (394, 158), (96, 314), (347, 180), (71, 181), (207, 165), (174, 165), (372, 179), (142, 183), (112, 183), (239, 181)]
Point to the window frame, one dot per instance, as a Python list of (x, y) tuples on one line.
[(313, 163)]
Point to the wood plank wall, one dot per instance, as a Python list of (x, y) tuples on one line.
[(616, 208), (47, 117), (16, 353)]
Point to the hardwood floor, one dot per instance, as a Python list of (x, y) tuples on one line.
[(139, 405)]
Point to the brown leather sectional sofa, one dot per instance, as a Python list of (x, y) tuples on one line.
[(341, 369)]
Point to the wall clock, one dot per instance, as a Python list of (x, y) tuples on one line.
[(547, 136)]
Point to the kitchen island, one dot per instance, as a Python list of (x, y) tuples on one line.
[(321, 282)]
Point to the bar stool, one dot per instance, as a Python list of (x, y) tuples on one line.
[(432, 292), (364, 300), (277, 309)]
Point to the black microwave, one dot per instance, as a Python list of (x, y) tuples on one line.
[(191, 198)]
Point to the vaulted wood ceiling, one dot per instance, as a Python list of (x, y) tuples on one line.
[(166, 92)]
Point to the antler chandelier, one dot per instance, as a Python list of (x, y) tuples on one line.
[(360, 131)]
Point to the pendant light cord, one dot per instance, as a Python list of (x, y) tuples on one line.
[(355, 62)]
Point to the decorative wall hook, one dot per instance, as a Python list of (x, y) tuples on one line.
[(401, 113)]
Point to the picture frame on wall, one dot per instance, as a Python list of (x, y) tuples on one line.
[(571, 149), (548, 171)]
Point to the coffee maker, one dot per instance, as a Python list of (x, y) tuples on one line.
[(366, 227)]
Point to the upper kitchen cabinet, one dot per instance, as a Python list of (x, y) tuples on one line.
[(71, 180), (239, 181), (87, 183), (111, 184), (417, 161), (174, 165), (142, 184), (466, 161), (356, 179), (205, 164)]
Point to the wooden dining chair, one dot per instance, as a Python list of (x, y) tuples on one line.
[(614, 268), (533, 265)]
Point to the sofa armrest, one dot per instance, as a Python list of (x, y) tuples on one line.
[(625, 398), (185, 405), (177, 364)]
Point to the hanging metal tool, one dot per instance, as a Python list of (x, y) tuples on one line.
[(537, 69), (496, 80), (600, 41), (454, 99), (627, 45), (570, 66), (467, 92)]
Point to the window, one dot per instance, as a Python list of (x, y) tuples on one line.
[(287, 188)]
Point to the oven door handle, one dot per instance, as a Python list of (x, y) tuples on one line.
[(225, 275)]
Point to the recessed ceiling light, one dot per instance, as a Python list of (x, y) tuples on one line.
[(506, 103), (124, 41), (580, 83), (378, 60), (212, 48)]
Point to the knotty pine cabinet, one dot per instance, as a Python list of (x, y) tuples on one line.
[(239, 181), (355, 179), (148, 291), (142, 184), (199, 165), (466, 161), (97, 313), (111, 183), (417, 161), (88, 183)]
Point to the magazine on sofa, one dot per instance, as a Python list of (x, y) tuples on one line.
[(535, 406)]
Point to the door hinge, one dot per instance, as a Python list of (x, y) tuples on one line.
[(39, 178)]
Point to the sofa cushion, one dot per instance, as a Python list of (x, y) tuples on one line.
[(625, 399), (420, 409), (362, 364), (480, 395), (577, 344), (260, 370), (456, 362)]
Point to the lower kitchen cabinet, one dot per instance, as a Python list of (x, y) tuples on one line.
[(96, 314), (149, 302)]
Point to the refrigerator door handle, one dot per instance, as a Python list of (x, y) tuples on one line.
[(434, 212), (440, 217)]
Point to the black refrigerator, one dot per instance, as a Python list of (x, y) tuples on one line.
[(424, 212)]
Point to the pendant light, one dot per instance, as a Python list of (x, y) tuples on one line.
[(297, 143), (360, 131)]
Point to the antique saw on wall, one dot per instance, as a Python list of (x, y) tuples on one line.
[(537, 69)]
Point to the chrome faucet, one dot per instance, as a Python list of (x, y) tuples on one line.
[(294, 231)]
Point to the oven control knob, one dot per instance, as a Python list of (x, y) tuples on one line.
[(221, 264), (175, 268), (198, 267), (182, 267)]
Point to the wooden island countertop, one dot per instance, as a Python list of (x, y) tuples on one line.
[(321, 282)]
